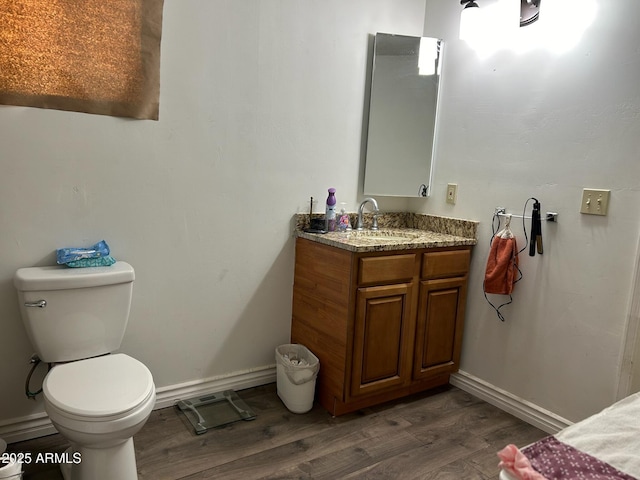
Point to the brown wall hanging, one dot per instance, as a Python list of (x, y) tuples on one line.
[(91, 56)]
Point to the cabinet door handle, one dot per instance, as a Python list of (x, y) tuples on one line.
[(39, 304)]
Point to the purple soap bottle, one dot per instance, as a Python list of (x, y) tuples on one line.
[(330, 212)]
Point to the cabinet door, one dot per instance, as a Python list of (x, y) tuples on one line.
[(382, 338), (439, 328)]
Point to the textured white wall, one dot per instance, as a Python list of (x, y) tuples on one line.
[(261, 106), (547, 124)]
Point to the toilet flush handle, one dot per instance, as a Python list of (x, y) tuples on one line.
[(39, 304)]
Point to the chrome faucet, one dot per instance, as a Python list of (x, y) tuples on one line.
[(374, 224)]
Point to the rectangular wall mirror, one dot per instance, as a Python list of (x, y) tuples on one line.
[(402, 115)]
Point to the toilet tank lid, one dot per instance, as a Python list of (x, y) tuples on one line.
[(62, 277)]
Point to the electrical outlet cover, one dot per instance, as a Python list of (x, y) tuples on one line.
[(452, 192)]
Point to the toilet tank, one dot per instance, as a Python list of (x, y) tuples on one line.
[(75, 313)]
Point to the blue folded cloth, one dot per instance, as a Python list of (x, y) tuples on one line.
[(66, 255), (92, 262)]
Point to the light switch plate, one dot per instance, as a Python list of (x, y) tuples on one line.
[(452, 192), (595, 201)]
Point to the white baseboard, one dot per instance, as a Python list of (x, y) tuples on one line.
[(38, 425), (516, 406), (26, 428), (168, 396)]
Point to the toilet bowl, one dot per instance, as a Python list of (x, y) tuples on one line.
[(98, 405)]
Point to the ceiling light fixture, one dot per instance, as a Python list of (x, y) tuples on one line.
[(529, 12), (471, 22)]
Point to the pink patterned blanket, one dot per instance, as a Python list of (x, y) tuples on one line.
[(551, 459)]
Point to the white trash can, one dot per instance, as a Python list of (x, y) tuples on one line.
[(12, 468), (297, 369)]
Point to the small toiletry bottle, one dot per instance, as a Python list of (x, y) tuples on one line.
[(330, 212), (344, 224)]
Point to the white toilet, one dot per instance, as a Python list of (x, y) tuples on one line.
[(75, 319)]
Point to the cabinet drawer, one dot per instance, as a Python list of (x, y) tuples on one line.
[(445, 264), (388, 268)]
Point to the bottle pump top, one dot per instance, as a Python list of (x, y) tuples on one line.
[(331, 200)]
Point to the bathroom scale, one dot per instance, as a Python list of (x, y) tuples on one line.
[(215, 410)]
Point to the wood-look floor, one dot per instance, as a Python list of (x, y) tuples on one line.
[(442, 434)]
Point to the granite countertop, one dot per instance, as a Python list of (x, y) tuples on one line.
[(397, 231)]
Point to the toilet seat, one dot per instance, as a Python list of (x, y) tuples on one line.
[(100, 389)]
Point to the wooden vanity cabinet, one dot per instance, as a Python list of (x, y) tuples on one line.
[(441, 308), (383, 324)]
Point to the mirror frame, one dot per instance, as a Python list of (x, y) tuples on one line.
[(403, 115)]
